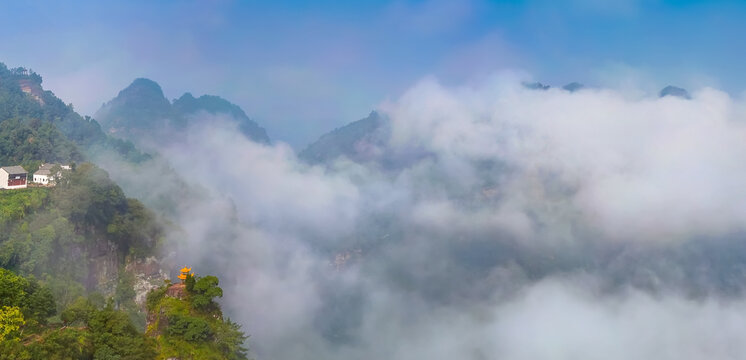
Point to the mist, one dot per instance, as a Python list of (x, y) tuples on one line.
[(522, 224)]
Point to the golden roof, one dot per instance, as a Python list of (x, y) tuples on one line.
[(182, 276), (186, 269)]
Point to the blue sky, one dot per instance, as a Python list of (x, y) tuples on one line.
[(301, 68)]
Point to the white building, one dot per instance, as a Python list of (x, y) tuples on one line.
[(44, 174), (13, 177), (42, 177)]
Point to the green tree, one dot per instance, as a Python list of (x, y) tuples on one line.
[(39, 304), (204, 291), (115, 337), (229, 339), (63, 344), (80, 311), (189, 328), (12, 288), (11, 319)]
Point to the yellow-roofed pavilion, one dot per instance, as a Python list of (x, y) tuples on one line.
[(184, 274)]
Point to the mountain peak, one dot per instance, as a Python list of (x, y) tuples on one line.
[(358, 140), (138, 105), (674, 91), (573, 86), (143, 92), (141, 110), (187, 104), (535, 86), (144, 85), (186, 97)]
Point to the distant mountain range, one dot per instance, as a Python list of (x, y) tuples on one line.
[(359, 140), (669, 90), (366, 140), (141, 110)]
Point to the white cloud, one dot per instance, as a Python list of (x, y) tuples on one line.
[(639, 168), (541, 225)]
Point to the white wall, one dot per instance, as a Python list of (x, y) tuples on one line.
[(3, 179), (41, 179)]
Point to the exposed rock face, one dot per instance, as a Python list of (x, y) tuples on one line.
[(103, 267), (30, 87), (157, 321), (176, 291), (148, 276)]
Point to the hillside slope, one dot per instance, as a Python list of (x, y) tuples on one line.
[(82, 236), (22, 98)]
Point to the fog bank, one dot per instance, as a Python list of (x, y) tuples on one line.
[(529, 225)]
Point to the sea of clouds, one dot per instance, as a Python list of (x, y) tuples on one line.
[(530, 225)]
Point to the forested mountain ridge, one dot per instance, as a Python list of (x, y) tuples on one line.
[(365, 141), (141, 110), (36, 110), (85, 227), (77, 259), (357, 140), (187, 105), (368, 140)]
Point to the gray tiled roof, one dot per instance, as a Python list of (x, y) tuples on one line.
[(43, 172), (14, 169)]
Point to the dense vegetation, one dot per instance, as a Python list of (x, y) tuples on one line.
[(31, 327), (22, 142), (65, 289), (191, 325), (67, 232), (47, 128), (57, 233)]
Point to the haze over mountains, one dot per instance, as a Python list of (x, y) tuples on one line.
[(450, 222), (141, 112), (367, 139), (397, 179), (450, 202)]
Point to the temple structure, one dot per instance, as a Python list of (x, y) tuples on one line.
[(179, 290), (184, 274)]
